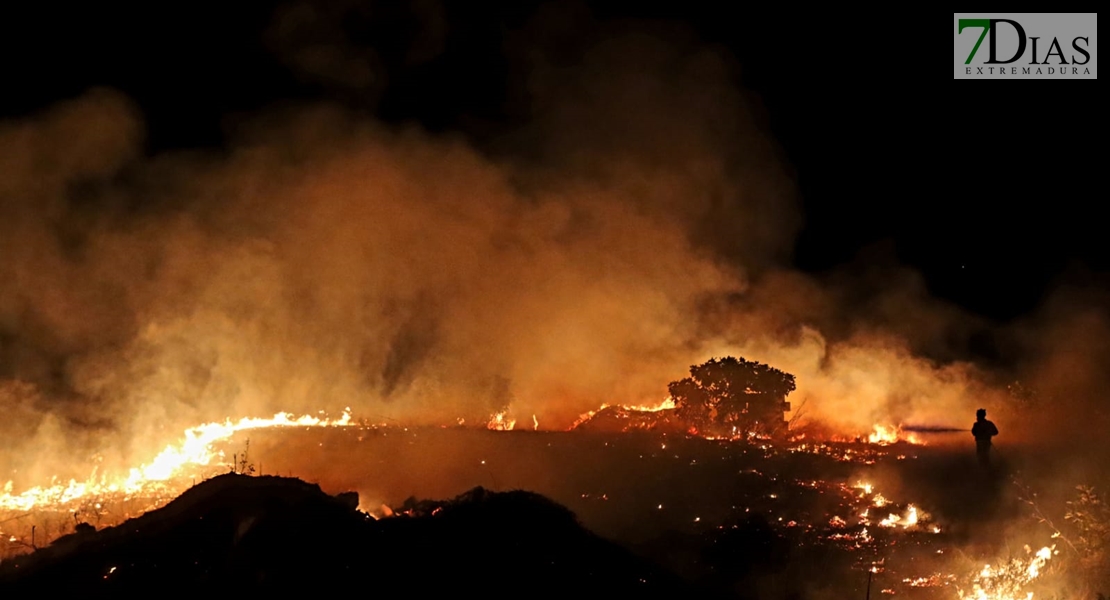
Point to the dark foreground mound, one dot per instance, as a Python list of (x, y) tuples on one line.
[(275, 533)]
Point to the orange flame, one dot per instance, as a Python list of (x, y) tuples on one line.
[(1007, 581), (887, 434), (194, 450), (500, 422), (666, 404)]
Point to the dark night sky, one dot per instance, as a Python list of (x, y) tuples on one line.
[(987, 190)]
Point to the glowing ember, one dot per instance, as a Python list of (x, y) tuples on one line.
[(194, 450), (934, 580), (910, 520)]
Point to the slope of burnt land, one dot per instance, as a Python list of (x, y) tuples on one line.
[(273, 533), (751, 519)]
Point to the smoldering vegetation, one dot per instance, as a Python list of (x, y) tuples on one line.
[(750, 519), (729, 518)]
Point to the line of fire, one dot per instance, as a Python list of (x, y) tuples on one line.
[(797, 502)]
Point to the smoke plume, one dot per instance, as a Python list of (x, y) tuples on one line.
[(638, 221)]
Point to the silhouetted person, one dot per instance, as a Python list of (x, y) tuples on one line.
[(983, 430)]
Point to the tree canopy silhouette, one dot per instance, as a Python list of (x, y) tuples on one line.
[(726, 393)]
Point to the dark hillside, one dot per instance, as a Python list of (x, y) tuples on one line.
[(275, 533)]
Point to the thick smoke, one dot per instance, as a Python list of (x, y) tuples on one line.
[(640, 221), (324, 262)]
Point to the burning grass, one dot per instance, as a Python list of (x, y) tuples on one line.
[(34, 516), (826, 511)]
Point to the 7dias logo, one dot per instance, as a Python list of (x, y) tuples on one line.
[(1026, 46)]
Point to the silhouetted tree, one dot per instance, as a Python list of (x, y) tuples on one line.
[(733, 392)]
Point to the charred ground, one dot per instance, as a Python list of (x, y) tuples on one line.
[(642, 513)]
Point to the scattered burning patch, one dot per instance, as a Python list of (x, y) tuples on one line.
[(813, 493)]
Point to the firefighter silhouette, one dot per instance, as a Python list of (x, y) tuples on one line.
[(983, 430)]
